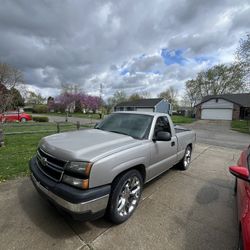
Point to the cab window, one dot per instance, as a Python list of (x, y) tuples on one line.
[(162, 124)]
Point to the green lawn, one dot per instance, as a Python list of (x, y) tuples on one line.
[(19, 148), (178, 119), (241, 126), (30, 127), (16, 153)]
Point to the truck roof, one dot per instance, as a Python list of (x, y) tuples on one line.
[(156, 114)]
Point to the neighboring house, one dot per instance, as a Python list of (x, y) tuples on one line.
[(224, 107), (146, 105), (184, 111)]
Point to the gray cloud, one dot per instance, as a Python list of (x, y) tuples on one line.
[(91, 42)]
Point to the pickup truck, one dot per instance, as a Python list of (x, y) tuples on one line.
[(92, 172)]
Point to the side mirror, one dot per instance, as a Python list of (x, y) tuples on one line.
[(163, 136), (240, 172)]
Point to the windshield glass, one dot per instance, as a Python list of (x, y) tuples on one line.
[(135, 125)]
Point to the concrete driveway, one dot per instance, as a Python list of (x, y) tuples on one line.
[(219, 133), (192, 209)]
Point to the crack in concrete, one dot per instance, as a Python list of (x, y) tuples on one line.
[(84, 244)]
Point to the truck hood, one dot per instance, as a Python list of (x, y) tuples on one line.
[(86, 145)]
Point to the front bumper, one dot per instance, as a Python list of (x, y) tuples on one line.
[(80, 204)]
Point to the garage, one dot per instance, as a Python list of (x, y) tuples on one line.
[(216, 114)]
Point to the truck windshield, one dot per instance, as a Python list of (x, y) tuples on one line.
[(135, 125)]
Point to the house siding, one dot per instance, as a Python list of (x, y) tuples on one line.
[(221, 104), (162, 107)]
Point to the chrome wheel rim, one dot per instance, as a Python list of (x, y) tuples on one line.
[(129, 196), (187, 157)]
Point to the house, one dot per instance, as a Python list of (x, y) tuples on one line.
[(146, 105), (184, 111), (224, 107)]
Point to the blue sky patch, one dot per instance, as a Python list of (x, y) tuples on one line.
[(173, 56)]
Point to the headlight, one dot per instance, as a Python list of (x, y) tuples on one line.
[(79, 167), (76, 182), (77, 173)]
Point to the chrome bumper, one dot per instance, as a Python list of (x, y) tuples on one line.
[(92, 206)]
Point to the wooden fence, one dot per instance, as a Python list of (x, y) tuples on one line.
[(8, 129)]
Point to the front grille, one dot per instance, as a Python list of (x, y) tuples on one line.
[(50, 165)]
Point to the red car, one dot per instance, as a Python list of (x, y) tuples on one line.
[(242, 188), (12, 116)]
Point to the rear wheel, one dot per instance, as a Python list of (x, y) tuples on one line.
[(23, 119), (186, 160), (240, 244), (125, 196)]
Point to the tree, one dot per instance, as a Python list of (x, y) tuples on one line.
[(218, 80), (170, 94), (10, 77), (119, 96), (192, 94), (17, 99), (135, 97), (68, 101), (35, 98), (243, 57)]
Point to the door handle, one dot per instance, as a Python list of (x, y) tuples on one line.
[(172, 143)]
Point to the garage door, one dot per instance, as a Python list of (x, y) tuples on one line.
[(216, 114)]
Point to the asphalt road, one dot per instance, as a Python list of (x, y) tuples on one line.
[(193, 209), (83, 121), (218, 133)]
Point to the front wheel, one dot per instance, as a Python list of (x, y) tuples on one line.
[(125, 196), (186, 160)]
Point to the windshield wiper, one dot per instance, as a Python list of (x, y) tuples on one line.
[(123, 133), (118, 132)]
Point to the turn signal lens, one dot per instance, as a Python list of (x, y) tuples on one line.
[(85, 184)]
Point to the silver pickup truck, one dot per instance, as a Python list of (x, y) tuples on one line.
[(91, 172)]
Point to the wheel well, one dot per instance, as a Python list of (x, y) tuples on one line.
[(140, 168)]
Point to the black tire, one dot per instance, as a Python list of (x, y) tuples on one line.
[(119, 191), (240, 243), (235, 186), (186, 160)]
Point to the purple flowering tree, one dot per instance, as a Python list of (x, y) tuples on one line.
[(69, 101)]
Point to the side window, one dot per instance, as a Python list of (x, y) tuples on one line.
[(162, 124)]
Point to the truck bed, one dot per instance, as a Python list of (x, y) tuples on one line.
[(179, 129)]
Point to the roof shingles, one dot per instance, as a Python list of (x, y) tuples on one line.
[(241, 99)]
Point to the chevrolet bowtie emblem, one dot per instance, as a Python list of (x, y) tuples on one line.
[(44, 161)]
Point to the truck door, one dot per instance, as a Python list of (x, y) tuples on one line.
[(163, 153)]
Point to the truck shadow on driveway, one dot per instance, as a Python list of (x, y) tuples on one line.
[(49, 219)]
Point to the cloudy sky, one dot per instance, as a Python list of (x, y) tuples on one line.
[(126, 45)]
